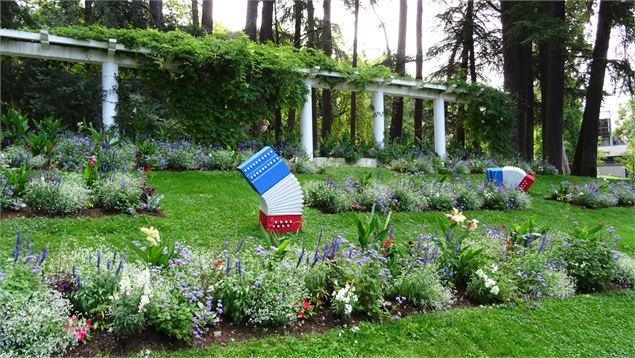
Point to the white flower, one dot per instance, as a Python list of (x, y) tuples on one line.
[(143, 302), (494, 290), (494, 267), (455, 216), (472, 225)]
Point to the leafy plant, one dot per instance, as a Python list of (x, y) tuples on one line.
[(14, 125), (370, 231)]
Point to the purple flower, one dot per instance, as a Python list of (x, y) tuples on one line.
[(400, 299), (130, 211), (260, 251), (610, 229)]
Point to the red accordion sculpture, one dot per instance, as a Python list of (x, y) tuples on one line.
[(511, 177), (281, 200)]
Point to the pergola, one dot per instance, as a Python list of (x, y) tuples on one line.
[(112, 55)]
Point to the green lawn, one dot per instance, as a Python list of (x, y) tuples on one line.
[(202, 208)]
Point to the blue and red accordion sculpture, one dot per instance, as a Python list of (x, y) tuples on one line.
[(281, 200), (511, 177)]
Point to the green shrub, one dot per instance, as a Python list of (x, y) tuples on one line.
[(468, 198), (589, 259), (305, 166), (33, 325), (625, 271), (326, 197), (405, 198), (183, 155), (117, 157), (422, 286), (59, 194), (119, 192), (72, 152), (220, 160)]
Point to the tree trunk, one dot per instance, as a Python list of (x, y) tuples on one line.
[(585, 162), (353, 93), (297, 17), (297, 43), (252, 18), (156, 9), (518, 78), (195, 23), (266, 21), (327, 47), (418, 115), (207, 19), (396, 124), (88, 12), (554, 120)]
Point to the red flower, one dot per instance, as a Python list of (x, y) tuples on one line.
[(148, 170), (503, 226), (217, 264), (388, 242), (300, 314), (306, 305), (89, 324), (91, 161), (74, 318), (509, 245)]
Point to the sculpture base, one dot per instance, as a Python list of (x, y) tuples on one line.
[(281, 223)]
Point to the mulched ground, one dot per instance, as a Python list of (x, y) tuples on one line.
[(89, 213)]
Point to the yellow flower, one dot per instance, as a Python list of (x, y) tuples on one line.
[(152, 235), (472, 225), (455, 216)]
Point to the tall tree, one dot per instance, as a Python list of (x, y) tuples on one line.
[(266, 21), (553, 64), (207, 16), (89, 11), (251, 19), (518, 72), (297, 43), (326, 43), (585, 161), (419, 73), (156, 10), (396, 123), (353, 93), (195, 23)]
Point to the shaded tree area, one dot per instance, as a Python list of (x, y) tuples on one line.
[(396, 123)]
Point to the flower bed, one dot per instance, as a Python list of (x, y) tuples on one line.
[(594, 195), (411, 195), (186, 294), (27, 192)]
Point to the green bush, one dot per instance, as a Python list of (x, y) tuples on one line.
[(33, 325), (422, 286), (59, 194), (119, 192), (220, 160), (326, 197), (119, 157), (72, 152)]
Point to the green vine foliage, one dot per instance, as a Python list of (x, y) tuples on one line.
[(490, 116), (217, 85)]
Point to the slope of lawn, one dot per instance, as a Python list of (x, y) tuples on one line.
[(597, 325), (202, 208)]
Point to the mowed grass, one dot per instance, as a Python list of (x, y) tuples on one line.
[(599, 325), (202, 208)]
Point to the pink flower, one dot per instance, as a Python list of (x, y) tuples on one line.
[(300, 314), (306, 305)]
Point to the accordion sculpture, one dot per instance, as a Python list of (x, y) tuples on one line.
[(280, 193), (510, 177)]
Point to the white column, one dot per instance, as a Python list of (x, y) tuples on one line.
[(439, 127), (109, 72), (306, 124), (378, 120)]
